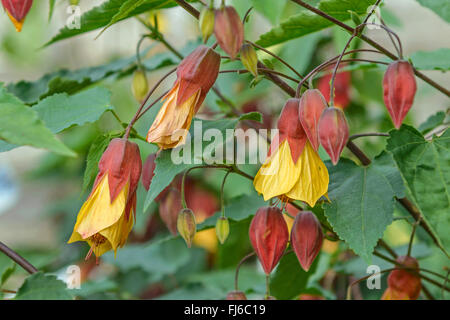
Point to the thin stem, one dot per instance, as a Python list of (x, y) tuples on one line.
[(411, 238), (349, 288), (391, 33), (17, 258), (370, 42), (137, 114), (388, 248), (276, 57), (151, 105), (242, 71), (397, 49), (236, 275), (138, 53), (370, 134), (222, 198)]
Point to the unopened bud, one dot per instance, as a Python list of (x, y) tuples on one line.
[(236, 295), (249, 59), (229, 30), (269, 236), (186, 225), (306, 238), (206, 23), (406, 281), (312, 104), (222, 229), (17, 11), (399, 86), (333, 132), (139, 85)]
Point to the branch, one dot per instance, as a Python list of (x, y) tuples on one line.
[(372, 43), (17, 258)]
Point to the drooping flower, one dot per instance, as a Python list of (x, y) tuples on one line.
[(312, 104), (106, 218), (399, 86), (306, 238), (17, 10), (333, 132), (404, 283), (196, 75), (269, 236), (293, 169)]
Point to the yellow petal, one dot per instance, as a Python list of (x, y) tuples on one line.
[(172, 122), (98, 213), (278, 174), (313, 179), (17, 24), (117, 233)]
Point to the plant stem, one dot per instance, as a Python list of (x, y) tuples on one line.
[(222, 198), (236, 275), (17, 258), (276, 57), (370, 134)]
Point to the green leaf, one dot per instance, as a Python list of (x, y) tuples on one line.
[(432, 60), (362, 201), (51, 7), (40, 286), (272, 10), (425, 166), (104, 14), (440, 7), (96, 150), (6, 273), (432, 122), (71, 82), (307, 22), (289, 279), (124, 12), (20, 125), (254, 116), (166, 170), (61, 111)]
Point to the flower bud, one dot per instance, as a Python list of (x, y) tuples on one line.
[(236, 295), (308, 296), (269, 236), (404, 280), (139, 85), (249, 59), (206, 23), (229, 30), (169, 207), (17, 10), (222, 229), (186, 225), (399, 85), (306, 238), (148, 171), (312, 104), (333, 132)]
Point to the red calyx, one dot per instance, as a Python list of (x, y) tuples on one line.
[(399, 85), (198, 71), (306, 238), (333, 132), (342, 85), (18, 9), (269, 236), (312, 104), (229, 30), (405, 280)]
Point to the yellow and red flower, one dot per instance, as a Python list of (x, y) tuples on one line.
[(106, 218), (196, 75), (293, 169), (17, 10)]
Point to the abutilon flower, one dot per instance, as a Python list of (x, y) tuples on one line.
[(293, 169), (269, 236), (169, 207), (342, 85), (236, 295), (196, 75), (106, 218), (403, 284), (399, 85), (229, 30), (333, 132), (17, 10), (306, 238)]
